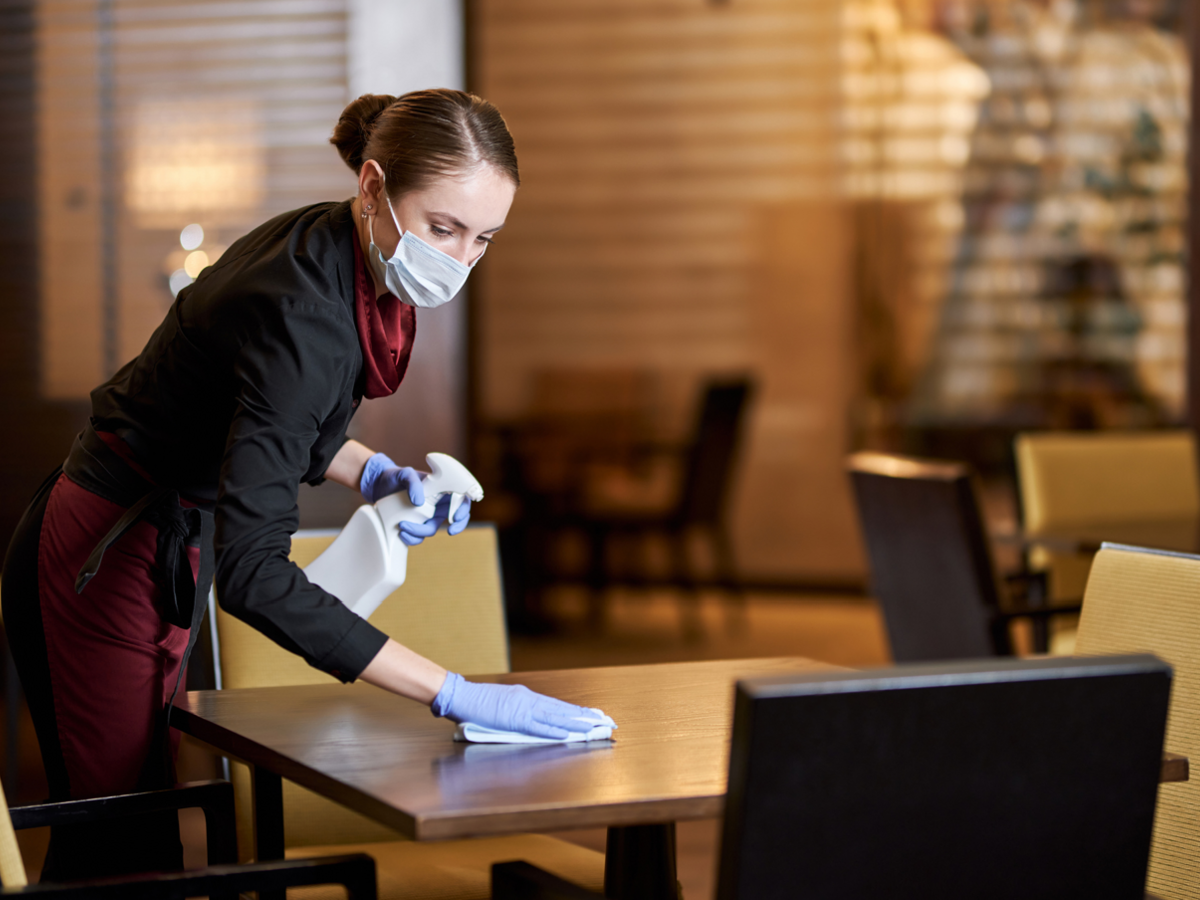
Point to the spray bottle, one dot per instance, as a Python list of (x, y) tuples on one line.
[(367, 561)]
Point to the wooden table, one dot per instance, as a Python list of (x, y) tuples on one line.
[(388, 758), (1180, 535)]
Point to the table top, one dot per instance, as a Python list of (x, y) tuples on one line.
[(1181, 535), (389, 759)]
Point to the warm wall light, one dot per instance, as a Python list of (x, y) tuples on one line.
[(190, 158)]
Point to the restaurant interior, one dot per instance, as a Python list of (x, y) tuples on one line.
[(831, 391)]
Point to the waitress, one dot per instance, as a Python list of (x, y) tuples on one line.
[(195, 451)]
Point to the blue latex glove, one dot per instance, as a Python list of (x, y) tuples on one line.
[(382, 477), (412, 533), (507, 707)]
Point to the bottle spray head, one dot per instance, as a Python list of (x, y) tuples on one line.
[(448, 476)]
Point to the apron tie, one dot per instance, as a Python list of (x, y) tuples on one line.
[(184, 596)]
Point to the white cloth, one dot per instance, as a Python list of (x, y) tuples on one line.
[(598, 729)]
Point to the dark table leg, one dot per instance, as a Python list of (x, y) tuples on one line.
[(268, 820), (640, 863)]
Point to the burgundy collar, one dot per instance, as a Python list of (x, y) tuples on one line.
[(386, 331)]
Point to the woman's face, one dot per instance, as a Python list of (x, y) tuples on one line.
[(457, 214)]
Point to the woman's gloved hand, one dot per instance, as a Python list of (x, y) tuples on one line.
[(382, 477), (412, 533), (509, 707)]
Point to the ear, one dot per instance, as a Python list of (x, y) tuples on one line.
[(370, 186)]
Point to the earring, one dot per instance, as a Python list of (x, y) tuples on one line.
[(363, 215)]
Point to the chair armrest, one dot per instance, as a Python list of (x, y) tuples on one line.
[(1038, 612), (524, 881), (214, 797), (1025, 578), (1175, 767), (356, 873)]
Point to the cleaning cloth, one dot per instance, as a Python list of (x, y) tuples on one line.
[(599, 728)]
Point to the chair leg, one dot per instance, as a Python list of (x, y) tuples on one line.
[(726, 573), (693, 627), (1039, 626), (597, 537), (533, 550), (12, 722)]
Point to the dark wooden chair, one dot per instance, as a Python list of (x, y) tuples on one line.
[(931, 562), (222, 878), (700, 503), (993, 779)]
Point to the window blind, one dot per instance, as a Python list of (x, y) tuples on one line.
[(156, 116)]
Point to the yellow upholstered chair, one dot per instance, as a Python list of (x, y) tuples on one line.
[(450, 610), (1071, 480), (1149, 601)]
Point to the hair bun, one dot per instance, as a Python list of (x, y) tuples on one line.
[(353, 128)]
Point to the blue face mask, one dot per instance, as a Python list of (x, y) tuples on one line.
[(418, 274)]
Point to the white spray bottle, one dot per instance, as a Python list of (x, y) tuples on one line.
[(367, 561)]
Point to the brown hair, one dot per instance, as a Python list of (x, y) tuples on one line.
[(423, 134)]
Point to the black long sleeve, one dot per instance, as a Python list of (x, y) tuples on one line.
[(244, 392)]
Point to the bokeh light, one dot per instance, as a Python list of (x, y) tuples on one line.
[(178, 281), (191, 237), (195, 263)]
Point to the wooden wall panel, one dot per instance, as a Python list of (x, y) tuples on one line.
[(679, 212)]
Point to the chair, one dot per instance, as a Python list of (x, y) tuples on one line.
[(1141, 600), (997, 779), (931, 563), (355, 873), (627, 506), (450, 609), (1071, 479), (574, 414)]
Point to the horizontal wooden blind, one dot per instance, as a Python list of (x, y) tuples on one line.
[(157, 115), (673, 154), (646, 134)]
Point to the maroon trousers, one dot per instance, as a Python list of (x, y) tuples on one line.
[(97, 668)]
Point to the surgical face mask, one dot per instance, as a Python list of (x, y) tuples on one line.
[(418, 274)]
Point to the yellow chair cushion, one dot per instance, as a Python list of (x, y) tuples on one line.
[(456, 870), (450, 609), (1073, 478), (1150, 602), (1069, 479)]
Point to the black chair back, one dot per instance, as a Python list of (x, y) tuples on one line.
[(931, 566), (709, 471), (991, 779)]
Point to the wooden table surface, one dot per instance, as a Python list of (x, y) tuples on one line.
[(388, 758), (1180, 535)]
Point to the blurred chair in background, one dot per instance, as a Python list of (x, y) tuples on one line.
[(574, 416), (931, 562), (1140, 600), (630, 502), (450, 610), (900, 783), (1084, 481)]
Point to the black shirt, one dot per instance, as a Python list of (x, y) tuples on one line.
[(244, 391)]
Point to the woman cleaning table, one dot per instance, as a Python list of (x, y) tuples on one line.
[(196, 449)]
